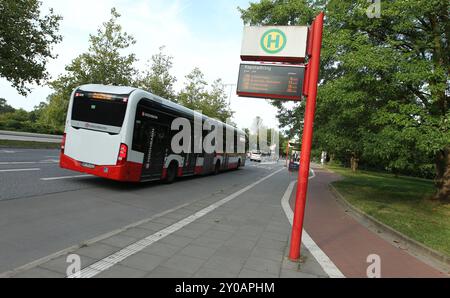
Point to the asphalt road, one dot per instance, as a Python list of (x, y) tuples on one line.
[(44, 209)]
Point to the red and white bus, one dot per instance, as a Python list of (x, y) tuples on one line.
[(124, 134)]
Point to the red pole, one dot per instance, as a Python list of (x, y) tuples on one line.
[(305, 160)]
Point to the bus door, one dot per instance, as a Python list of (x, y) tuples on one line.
[(190, 159), (208, 158), (225, 161), (156, 142)]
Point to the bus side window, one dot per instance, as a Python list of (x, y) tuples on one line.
[(236, 140), (137, 136), (204, 134), (161, 135), (139, 132), (193, 140), (225, 147), (214, 141)]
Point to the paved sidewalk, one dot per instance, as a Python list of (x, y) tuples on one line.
[(246, 237)]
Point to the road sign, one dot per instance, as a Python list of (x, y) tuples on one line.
[(275, 81), (291, 44), (275, 43)]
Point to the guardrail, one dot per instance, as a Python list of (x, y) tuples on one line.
[(30, 137)]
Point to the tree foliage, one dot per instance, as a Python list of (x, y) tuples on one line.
[(196, 96), (384, 94), (158, 79), (5, 107), (21, 120), (26, 40), (104, 63)]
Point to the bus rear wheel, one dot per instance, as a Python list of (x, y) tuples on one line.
[(217, 168), (171, 173)]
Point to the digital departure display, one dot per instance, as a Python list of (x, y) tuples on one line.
[(271, 81)]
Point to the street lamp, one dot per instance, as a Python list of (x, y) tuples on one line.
[(231, 91)]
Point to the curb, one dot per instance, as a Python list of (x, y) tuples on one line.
[(410, 243)]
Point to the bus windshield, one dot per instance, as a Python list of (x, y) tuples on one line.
[(98, 111)]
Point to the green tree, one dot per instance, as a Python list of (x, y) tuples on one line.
[(104, 63), (212, 103), (158, 79), (194, 91), (38, 125), (35, 115), (19, 120), (26, 40), (216, 104), (247, 139), (397, 64), (280, 12), (5, 107), (384, 94)]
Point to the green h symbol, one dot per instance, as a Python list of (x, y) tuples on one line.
[(270, 41)]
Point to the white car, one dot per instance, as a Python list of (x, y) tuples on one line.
[(256, 156)]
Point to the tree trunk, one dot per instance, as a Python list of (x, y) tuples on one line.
[(443, 175), (395, 172), (354, 162), (331, 160), (443, 102)]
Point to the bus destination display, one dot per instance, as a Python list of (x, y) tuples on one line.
[(271, 81)]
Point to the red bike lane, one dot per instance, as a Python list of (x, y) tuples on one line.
[(347, 242)]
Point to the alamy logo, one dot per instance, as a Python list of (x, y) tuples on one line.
[(374, 269), (374, 9), (74, 269), (212, 136)]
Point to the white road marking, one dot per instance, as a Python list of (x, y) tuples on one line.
[(269, 163), (28, 162), (65, 177), (7, 151), (324, 261), (19, 170), (261, 166), (138, 246)]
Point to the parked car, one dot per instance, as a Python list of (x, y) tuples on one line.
[(294, 165), (256, 156)]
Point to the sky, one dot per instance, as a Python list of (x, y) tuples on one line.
[(197, 33)]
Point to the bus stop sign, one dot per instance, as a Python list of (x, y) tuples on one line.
[(286, 44), (275, 43)]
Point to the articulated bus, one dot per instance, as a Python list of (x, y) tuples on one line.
[(125, 134)]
